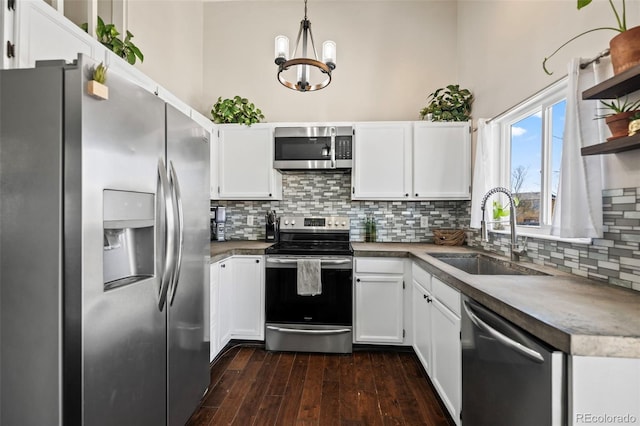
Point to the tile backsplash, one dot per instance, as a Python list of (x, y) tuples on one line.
[(329, 194), (613, 259)]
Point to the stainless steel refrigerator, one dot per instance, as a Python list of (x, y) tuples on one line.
[(104, 252)]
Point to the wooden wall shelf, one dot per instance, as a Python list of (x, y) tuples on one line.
[(614, 146), (615, 87)]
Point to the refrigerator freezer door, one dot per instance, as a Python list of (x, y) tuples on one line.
[(188, 321), (31, 247), (120, 343)]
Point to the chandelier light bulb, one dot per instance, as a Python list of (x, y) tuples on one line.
[(282, 48), (329, 53)]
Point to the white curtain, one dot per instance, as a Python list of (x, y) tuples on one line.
[(578, 209), (486, 168)]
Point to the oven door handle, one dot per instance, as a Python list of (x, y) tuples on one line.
[(323, 261), (304, 331)]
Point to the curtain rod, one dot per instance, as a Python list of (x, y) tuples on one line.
[(583, 65), (595, 59)]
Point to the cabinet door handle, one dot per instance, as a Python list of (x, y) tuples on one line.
[(406, 195), (257, 260), (223, 266), (357, 280), (424, 296), (417, 194)]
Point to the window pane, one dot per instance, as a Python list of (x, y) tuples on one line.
[(557, 133), (526, 165)]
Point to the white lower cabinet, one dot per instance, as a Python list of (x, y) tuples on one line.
[(436, 336), (379, 301), (247, 301), (214, 298), (225, 296), (446, 357), (237, 300), (422, 341)]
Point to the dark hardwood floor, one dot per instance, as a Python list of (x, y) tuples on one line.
[(250, 386)]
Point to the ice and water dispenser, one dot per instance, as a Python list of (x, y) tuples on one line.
[(128, 238)]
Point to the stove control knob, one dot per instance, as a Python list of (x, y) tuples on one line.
[(286, 222), (293, 222), (329, 223), (344, 223)]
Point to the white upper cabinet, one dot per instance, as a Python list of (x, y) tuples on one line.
[(212, 130), (246, 163), (441, 160), (412, 161), (382, 167), (42, 33)]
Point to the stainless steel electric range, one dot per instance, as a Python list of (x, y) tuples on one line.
[(297, 320)]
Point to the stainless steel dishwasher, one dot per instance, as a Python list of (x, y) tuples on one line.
[(509, 377)]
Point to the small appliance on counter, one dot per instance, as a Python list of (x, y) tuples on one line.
[(272, 230), (219, 219)]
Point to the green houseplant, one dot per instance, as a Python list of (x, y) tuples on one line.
[(624, 47), (236, 110), (108, 35), (96, 86), (449, 103), (620, 112)]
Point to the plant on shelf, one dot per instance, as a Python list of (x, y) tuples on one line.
[(100, 73), (235, 110), (96, 86), (108, 35), (624, 47), (448, 104), (620, 112)]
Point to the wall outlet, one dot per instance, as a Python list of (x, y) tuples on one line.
[(250, 220), (424, 221)]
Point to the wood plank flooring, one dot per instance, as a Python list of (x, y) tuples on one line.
[(250, 386)]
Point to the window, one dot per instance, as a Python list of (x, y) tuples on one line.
[(531, 145)]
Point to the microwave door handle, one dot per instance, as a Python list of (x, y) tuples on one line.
[(333, 147)]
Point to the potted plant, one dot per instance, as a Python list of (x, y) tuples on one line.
[(96, 86), (236, 110), (499, 211), (108, 35), (448, 104), (624, 47), (621, 112)]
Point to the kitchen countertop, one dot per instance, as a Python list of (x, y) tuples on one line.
[(574, 314)]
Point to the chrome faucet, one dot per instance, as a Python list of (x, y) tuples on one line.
[(515, 249)]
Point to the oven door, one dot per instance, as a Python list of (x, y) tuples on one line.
[(321, 323)]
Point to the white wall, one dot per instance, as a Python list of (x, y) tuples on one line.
[(502, 45), (170, 35), (391, 55)]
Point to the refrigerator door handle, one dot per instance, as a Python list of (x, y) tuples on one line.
[(175, 187), (167, 224)]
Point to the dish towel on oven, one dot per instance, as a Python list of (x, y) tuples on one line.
[(309, 283)]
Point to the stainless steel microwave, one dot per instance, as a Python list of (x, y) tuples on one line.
[(313, 148)]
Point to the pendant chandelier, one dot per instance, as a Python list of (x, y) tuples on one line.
[(305, 74)]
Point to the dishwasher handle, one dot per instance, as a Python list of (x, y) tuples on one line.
[(516, 346)]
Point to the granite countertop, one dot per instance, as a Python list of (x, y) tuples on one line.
[(576, 315)]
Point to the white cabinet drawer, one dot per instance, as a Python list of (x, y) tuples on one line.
[(420, 276), (379, 265), (448, 296)]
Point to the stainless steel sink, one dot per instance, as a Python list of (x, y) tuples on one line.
[(480, 264)]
